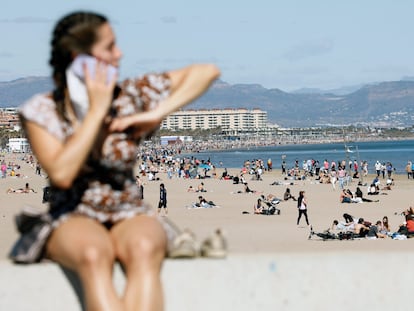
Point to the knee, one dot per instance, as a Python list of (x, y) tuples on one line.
[(145, 251), (94, 257)]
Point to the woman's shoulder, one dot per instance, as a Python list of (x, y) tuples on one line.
[(39, 98), (41, 109), (35, 106)]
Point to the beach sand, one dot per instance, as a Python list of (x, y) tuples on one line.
[(246, 233)]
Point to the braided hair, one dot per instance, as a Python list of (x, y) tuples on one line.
[(73, 34)]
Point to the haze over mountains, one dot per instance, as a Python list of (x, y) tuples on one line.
[(385, 104)]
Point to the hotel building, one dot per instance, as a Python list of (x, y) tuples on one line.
[(227, 119)]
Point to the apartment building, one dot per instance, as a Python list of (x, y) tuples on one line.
[(227, 119), (9, 117)]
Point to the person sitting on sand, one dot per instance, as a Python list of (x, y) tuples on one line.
[(347, 225), (409, 211), (349, 219), (390, 182), (374, 231), (373, 190), (385, 226), (361, 229), (202, 202), (242, 180), (356, 175), (225, 174), (248, 190), (287, 195), (258, 207), (407, 228), (345, 197), (358, 194), (191, 189), (200, 188)]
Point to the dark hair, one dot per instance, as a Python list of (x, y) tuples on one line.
[(74, 33)]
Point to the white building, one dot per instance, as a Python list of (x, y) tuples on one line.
[(227, 119), (171, 140), (18, 145)]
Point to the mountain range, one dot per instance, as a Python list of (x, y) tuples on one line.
[(382, 104)]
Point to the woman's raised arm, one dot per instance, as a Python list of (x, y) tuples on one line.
[(187, 84)]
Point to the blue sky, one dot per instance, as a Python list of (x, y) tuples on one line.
[(279, 44)]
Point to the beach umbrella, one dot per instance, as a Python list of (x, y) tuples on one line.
[(205, 166)]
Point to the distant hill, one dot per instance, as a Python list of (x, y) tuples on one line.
[(13, 93), (386, 103), (341, 91)]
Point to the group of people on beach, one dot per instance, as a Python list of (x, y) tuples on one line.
[(10, 169), (380, 229)]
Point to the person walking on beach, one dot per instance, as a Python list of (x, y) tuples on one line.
[(302, 207), (3, 169), (333, 178), (38, 168), (140, 186), (163, 200), (86, 139), (409, 170)]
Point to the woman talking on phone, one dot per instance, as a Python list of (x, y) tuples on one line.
[(85, 135)]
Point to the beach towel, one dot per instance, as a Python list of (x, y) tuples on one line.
[(203, 206)]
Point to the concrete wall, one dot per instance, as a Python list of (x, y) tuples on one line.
[(298, 281)]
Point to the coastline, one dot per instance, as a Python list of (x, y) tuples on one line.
[(398, 152), (246, 145), (246, 233)]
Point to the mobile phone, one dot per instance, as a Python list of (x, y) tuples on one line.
[(75, 79), (78, 63)]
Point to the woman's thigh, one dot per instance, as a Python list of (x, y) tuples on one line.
[(140, 237), (78, 239)]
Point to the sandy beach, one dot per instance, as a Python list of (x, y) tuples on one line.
[(246, 233)]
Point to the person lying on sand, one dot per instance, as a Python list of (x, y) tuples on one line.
[(202, 202), (26, 189), (248, 190)]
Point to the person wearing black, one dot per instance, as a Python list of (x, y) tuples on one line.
[(287, 195), (163, 200), (302, 207), (140, 186), (358, 194), (348, 219)]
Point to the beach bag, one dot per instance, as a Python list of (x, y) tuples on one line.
[(345, 235), (272, 210), (35, 228), (46, 194)]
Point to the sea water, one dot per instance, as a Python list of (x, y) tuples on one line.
[(396, 152)]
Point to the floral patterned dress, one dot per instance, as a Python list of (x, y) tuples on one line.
[(105, 189)]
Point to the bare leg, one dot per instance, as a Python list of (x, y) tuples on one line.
[(85, 246), (140, 245)]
